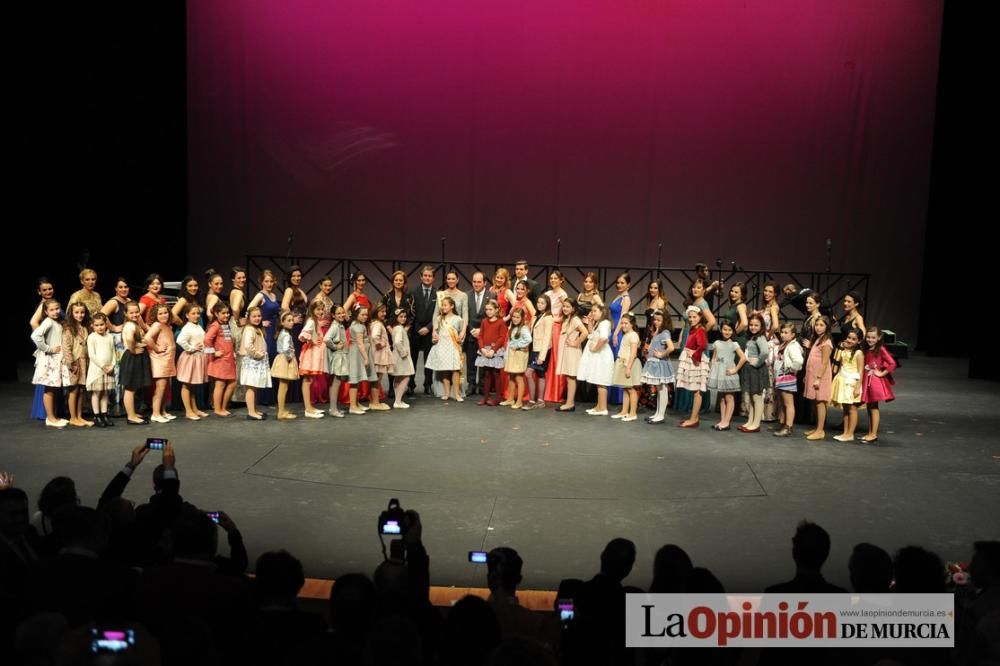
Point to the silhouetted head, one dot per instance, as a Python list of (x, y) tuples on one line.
[(810, 546), (871, 569), (503, 570), (279, 577), (670, 567), (618, 558), (918, 570)]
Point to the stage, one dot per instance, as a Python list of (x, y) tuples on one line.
[(558, 486)]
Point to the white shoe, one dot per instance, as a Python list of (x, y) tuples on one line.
[(169, 417), (357, 411), (364, 408), (159, 419), (603, 412), (337, 414), (627, 419), (314, 415), (61, 423), (618, 416), (459, 399), (400, 405)]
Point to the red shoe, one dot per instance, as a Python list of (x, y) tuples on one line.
[(746, 429), (484, 401), (493, 403)]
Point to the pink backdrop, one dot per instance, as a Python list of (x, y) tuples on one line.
[(749, 130)]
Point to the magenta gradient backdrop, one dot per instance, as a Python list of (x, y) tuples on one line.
[(751, 130)]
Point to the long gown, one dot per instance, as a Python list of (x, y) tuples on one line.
[(269, 310), (615, 392), (555, 384)]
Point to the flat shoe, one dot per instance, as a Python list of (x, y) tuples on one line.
[(571, 409), (193, 418), (843, 438), (720, 428), (816, 436), (254, 418), (689, 425)]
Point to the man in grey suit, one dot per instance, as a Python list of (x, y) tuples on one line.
[(477, 310)]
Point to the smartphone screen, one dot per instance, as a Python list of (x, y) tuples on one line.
[(391, 527), (111, 640), (155, 443), (566, 611), (477, 556), (214, 515)]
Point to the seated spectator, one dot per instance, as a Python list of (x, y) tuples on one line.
[(670, 567), (918, 570), (503, 575), (194, 609), (471, 632), (810, 548), (871, 569), (597, 634), (58, 492), (979, 630), (279, 625), (78, 582)]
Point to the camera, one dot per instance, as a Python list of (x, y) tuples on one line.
[(566, 610), (477, 556), (213, 516), (155, 443), (106, 641), (393, 521)]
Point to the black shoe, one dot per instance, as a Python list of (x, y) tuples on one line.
[(99, 421), (107, 421), (427, 390)]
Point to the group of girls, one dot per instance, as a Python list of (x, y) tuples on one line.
[(748, 359), (521, 344)]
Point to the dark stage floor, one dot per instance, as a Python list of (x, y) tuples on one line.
[(558, 486)]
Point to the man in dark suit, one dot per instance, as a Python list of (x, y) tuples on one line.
[(423, 323), (521, 273), (477, 310)]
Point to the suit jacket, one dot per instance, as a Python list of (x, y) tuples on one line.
[(424, 314), (476, 316)]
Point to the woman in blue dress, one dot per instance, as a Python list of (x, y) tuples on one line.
[(621, 304), (683, 398), (270, 305)]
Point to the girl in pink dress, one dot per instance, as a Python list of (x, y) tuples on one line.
[(192, 364), (161, 346), (877, 381), (220, 349), (312, 362), (818, 380)]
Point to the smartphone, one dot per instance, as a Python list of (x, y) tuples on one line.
[(565, 608), (477, 556), (155, 443), (391, 527), (104, 641), (214, 515)]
